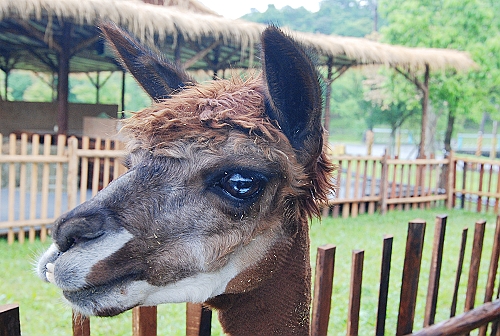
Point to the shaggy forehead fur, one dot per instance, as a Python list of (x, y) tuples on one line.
[(205, 112)]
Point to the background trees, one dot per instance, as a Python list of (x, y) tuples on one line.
[(456, 98), (469, 25)]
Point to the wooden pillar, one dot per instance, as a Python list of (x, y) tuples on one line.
[(97, 87), (63, 80), (493, 151), (425, 109), (328, 94), (123, 95), (198, 320), (6, 84), (178, 50)]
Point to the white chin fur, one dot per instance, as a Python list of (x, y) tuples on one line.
[(69, 270), (198, 288)]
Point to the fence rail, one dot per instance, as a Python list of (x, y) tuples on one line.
[(366, 184), (42, 177)]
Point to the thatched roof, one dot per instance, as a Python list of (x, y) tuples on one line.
[(189, 5), (187, 32)]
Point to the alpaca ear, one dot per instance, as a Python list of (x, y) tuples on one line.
[(294, 99), (158, 77)]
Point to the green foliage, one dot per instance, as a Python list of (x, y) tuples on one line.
[(468, 25), (39, 91), (339, 17), (27, 86), (83, 90), (18, 83)]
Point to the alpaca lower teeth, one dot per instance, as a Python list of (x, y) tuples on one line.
[(50, 277), (50, 273)]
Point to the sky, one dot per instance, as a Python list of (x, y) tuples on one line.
[(236, 8)]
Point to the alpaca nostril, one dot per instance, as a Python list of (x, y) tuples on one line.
[(73, 230), (78, 238)]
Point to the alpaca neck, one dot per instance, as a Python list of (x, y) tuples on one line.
[(278, 306)]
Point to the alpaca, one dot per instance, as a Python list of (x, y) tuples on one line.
[(223, 179)]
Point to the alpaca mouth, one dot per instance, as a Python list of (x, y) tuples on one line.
[(103, 300)]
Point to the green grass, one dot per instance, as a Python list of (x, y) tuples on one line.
[(44, 313)]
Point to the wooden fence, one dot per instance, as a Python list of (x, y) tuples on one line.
[(472, 318), (42, 177), (366, 184)]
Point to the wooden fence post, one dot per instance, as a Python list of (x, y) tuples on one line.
[(384, 184), (453, 309), (9, 320), (325, 265), (144, 321), (492, 272), (435, 272), (385, 271), (198, 320), (477, 249), (411, 273), (12, 188), (451, 184), (355, 292), (72, 172), (81, 325)]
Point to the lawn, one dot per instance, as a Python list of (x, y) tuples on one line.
[(43, 312)]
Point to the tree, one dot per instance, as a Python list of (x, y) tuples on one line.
[(468, 25), (389, 102)]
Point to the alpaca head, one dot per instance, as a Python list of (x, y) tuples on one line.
[(220, 174)]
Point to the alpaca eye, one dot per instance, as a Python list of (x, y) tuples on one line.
[(240, 186)]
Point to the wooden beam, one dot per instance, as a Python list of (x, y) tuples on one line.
[(30, 30), (423, 87), (190, 62), (328, 94), (85, 43), (63, 80), (462, 324)]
